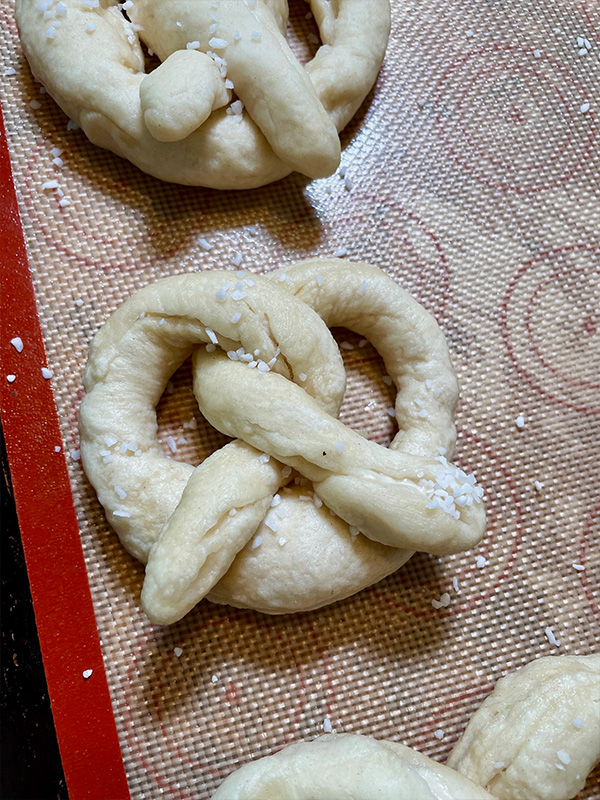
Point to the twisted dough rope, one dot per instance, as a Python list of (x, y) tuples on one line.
[(176, 123), (190, 525), (536, 737)]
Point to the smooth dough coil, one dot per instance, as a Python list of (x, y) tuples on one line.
[(537, 736), (271, 375), (178, 122), (347, 766)]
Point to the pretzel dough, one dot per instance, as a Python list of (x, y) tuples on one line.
[(537, 736), (176, 123), (194, 527), (347, 766)]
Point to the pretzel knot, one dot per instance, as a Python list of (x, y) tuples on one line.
[(271, 375), (180, 121)]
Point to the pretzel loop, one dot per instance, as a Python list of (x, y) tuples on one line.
[(194, 526), (177, 122)]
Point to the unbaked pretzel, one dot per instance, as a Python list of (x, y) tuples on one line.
[(272, 375), (178, 122), (348, 766), (536, 737)]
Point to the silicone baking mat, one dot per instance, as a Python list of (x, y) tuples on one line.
[(472, 176)]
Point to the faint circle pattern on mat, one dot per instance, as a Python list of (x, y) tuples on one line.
[(513, 120), (591, 11), (171, 700), (551, 325), (412, 588), (590, 576), (91, 226), (455, 714), (403, 244)]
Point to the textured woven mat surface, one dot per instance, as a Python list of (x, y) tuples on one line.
[(474, 181)]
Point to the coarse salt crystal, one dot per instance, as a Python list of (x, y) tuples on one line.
[(520, 421), (264, 458), (57, 448), (178, 651), (391, 412), (578, 722), (195, 45), (212, 336), (481, 562), (276, 500), (537, 54), (210, 348), (120, 492), (75, 455), (327, 727), (10, 71), (237, 259), (233, 512), (281, 541), (341, 252), (17, 343), (353, 530), (469, 33), (61, 9), (551, 637), (35, 104), (64, 201), (538, 486), (46, 373), (271, 523), (214, 679), (236, 317), (498, 764), (121, 513), (217, 44), (90, 27), (455, 585), (584, 108), (362, 288), (87, 673), (339, 446), (257, 542), (51, 32), (172, 444), (256, 36), (578, 567), (319, 279), (563, 756), (302, 376), (204, 244), (221, 295), (11, 378), (439, 734)]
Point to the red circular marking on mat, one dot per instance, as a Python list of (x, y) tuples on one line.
[(417, 256), (136, 236), (413, 599), (166, 668), (447, 712), (589, 536), (505, 120), (591, 7), (544, 362)]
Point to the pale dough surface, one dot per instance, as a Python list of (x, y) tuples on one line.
[(537, 736), (347, 766), (177, 122), (198, 529)]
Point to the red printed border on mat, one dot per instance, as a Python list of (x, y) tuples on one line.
[(82, 709)]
